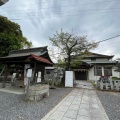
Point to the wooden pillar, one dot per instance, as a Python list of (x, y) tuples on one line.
[(34, 74), (42, 73), (103, 71), (32, 77), (26, 66)]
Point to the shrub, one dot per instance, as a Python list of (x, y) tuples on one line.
[(115, 78)]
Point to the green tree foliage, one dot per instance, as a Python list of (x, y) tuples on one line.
[(11, 37), (60, 63), (71, 45)]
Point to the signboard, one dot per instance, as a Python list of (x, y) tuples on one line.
[(38, 80), (14, 75), (29, 73), (39, 74), (39, 77), (69, 79)]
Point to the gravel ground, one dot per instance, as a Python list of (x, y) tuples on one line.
[(111, 103), (13, 107)]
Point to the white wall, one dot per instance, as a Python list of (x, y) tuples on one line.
[(95, 78), (91, 75), (115, 74)]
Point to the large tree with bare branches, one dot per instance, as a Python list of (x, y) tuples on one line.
[(71, 45)]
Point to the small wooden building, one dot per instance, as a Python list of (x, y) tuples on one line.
[(20, 63)]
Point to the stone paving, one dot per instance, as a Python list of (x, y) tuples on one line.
[(80, 104), (12, 89), (83, 84)]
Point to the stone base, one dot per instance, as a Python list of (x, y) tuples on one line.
[(37, 92), (20, 83)]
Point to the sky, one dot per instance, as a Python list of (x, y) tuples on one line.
[(40, 19)]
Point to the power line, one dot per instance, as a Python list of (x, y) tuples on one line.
[(32, 4), (104, 40), (67, 11), (108, 39), (107, 45), (65, 5), (60, 15)]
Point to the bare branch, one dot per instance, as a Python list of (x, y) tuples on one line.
[(70, 44)]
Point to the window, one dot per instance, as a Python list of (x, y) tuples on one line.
[(107, 71), (47, 72), (93, 59), (97, 71)]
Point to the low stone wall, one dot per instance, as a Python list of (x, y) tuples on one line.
[(37, 92), (20, 83)]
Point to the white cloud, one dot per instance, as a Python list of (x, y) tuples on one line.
[(49, 17)]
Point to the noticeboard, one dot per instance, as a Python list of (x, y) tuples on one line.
[(29, 73)]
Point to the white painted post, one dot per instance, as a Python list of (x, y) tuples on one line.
[(69, 79)]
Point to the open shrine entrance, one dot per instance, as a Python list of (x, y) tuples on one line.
[(20, 68)]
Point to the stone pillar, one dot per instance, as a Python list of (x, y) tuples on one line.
[(26, 80), (5, 77), (38, 92)]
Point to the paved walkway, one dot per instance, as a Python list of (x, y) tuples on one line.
[(80, 104), (83, 84)]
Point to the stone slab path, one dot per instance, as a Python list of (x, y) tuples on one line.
[(80, 104), (83, 84)]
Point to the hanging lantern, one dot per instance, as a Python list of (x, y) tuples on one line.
[(2, 2)]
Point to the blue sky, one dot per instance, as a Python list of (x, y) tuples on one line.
[(40, 19)]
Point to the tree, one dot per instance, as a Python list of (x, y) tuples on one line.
[(60, 63), (118, 66), (71, 45), (11, 37)]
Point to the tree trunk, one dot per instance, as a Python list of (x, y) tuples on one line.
[(68, 62)]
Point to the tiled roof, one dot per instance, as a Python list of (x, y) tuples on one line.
[(29, 50), (96, 55), (37, 51), (25, 54), (40, 59), (99, 62)]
